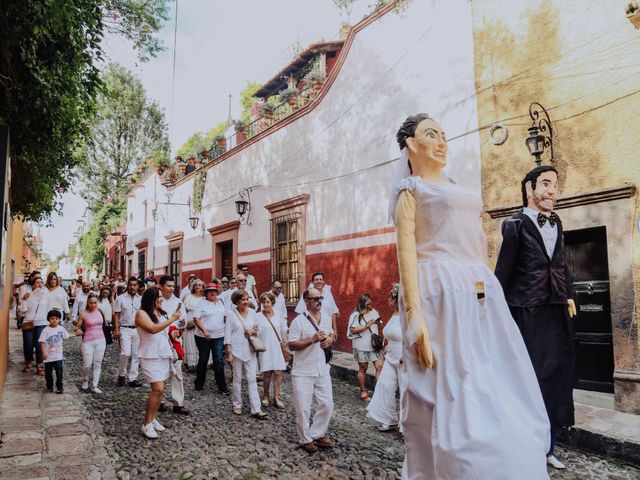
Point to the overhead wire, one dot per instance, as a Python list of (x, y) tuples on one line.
[(511, 79)]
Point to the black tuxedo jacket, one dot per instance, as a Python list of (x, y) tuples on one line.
[(527, 275)]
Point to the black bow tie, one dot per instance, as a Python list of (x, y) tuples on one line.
[(553, 219)]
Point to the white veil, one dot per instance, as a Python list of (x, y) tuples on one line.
[(402, 171)]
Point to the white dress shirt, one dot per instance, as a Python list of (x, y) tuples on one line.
[(328, 304), (127, 306), (183, 294), (310, 361), (170, 305), (281, 306), (79, 305), (548, 232)]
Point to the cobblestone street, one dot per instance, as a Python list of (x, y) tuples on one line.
[(212, 442)]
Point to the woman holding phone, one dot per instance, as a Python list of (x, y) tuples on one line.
[(155, 354)]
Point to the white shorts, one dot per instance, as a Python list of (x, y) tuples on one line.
[(156, 369)]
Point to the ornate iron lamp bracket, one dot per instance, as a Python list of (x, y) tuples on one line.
[(540, 118)]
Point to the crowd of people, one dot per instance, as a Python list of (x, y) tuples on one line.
[(164, 334)]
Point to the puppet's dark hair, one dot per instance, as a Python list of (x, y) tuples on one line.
[(408, 128)]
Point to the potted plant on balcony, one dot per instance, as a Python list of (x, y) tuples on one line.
[(633, 13), (289, 95), (161, 162), (221, 143), (316, 78), (241, 131), (266, 111)]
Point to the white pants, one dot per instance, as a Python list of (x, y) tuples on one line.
[(382, 407), (177, 384), (92, 354), (304, 389), (129, 343), (250, 367)]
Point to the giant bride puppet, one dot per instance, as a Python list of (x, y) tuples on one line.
[(472, 408)]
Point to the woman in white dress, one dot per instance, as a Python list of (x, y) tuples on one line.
[(472, 407), (363, 323), (58, 298), (273, 334), (382, 407), (191, 302), (242, 322)]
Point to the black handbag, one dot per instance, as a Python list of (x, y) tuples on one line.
[(106, 330), (328, 353), (376, 342)]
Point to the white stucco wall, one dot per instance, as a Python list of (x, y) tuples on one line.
[(418, 60)]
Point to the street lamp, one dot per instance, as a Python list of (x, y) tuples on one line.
[(243, 207), (540, 133)]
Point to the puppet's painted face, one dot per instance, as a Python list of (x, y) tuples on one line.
[(543, 198), (429, 142)]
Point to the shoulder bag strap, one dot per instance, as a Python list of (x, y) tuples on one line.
[(272, 326), (312, 322)]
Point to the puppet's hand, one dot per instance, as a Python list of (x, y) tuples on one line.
[(419, 335), (571, 307), (424, 353)]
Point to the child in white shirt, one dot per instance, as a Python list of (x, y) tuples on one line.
[(50, 342)]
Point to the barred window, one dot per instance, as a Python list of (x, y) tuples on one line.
[(174, 266), (285, 254), (142, 265)]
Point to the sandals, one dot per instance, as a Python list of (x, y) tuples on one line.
[(40, 370), (365, 396)]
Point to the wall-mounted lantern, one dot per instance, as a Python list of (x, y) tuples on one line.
[(540, 133), (243, 206)]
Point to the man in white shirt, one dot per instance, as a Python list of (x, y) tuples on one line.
[(187, 290), (309, 335), (252, 285), (241, 282), (124, 329), (80, 303), (328, 304), (170, 304), (281, 302)]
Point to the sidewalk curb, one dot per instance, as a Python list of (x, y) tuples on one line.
[(608, 446)]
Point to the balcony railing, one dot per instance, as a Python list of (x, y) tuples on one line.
[(268, 118)]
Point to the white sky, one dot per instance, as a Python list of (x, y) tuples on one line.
[(220, 46)]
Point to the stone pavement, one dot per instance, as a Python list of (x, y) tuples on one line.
[(46, 435), (79, 435)]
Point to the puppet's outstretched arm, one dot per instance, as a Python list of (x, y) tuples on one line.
[(417, 332)]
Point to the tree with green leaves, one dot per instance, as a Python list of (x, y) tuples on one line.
[(107, 218), (136, 21), (127, 130), (49, 81)]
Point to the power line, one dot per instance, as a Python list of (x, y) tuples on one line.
[(173, 74)]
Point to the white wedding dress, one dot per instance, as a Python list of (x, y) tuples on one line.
[(479, 413)]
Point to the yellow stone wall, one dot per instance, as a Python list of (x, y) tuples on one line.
[(581, 60)]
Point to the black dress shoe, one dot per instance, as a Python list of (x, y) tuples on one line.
[(120, 382), (135, 383), (180, 409)]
